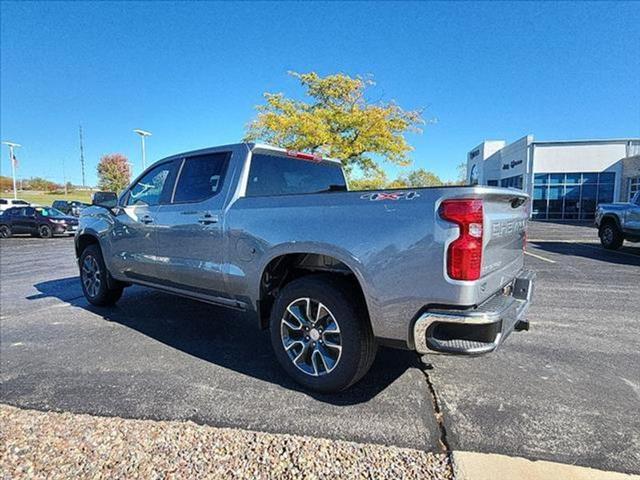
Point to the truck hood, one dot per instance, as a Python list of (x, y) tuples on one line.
[(615, 206)]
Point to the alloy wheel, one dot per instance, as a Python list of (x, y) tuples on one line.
[(5, 232), (91, 276), (311, 337), (607, 235)]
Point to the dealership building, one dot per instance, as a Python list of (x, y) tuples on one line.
[(566, 179)]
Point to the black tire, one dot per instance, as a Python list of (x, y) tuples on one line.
[(356, 337), (45, 231), (5, 231), (611, 237), (101, 294)]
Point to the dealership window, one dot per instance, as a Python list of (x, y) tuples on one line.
[(571, 196), (634, 187), (512, 182), (492, 183)]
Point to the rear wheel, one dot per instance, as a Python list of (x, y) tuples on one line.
[(320, 335), (45, 231), (94, 278), (5, 231), (610, 236)]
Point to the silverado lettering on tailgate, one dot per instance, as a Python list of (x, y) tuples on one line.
[(507, 227)]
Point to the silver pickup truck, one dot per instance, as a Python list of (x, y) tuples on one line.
[(618, 222), (332, 273)]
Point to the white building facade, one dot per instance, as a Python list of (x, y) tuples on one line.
[(566, 179)]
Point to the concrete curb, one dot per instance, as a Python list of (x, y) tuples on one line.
[(490, 466)]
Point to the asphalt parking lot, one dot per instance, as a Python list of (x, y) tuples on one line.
[(568, 390)]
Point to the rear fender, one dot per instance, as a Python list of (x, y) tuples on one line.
[(320, 249)]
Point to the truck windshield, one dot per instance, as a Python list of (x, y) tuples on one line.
[(277, 175)]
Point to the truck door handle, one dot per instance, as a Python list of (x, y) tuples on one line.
[(146, 219), (208, 219)]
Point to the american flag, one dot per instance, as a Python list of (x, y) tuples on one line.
[(14, 160)]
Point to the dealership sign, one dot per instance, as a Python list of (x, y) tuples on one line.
[(513, 164)]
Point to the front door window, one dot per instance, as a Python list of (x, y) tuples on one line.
[(152, 188)]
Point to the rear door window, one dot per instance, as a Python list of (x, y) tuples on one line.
[(201, 177), (276, 175)]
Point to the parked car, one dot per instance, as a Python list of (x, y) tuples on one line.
[(332, 273), (6, 203), (618, 222), (38, 221), (69, 207)]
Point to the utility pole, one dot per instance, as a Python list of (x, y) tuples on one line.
[(81, 158), (12, 159), (64, 179)]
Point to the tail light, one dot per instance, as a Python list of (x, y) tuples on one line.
[(464, 256)]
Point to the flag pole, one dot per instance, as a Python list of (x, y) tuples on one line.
[(13, 172)]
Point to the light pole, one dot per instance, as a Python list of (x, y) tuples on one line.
[(12, 158), (143, 134)]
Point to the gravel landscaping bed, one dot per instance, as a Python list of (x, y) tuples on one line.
[(62, 445)]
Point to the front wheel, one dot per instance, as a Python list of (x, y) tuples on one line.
[(611, 237), (93, 277), (321, 334), (45, 231), (5, 231)]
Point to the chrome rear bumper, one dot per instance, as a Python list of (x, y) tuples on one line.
[(478, 330)]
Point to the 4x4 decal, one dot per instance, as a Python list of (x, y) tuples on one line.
[(377, 196)]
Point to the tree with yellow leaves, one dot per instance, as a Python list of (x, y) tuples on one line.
[(338, 122)]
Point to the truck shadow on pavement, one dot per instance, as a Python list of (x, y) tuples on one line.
[(224, 337), (625, 256)]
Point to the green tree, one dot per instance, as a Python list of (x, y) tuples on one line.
[(413, 179), (372, 182), (113, 172), (461, 170), (6, 183), (39, 183), (421, 178), (337, 121)]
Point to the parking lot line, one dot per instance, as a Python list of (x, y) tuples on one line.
[(540, 257), (560, 240)]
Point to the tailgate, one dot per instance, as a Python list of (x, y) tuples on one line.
[(505, 222)]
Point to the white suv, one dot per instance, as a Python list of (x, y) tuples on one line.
[(10, 202)]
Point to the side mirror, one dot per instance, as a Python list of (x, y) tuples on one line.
[(105, 199)]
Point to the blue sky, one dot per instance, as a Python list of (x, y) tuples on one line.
[(192, 72)]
